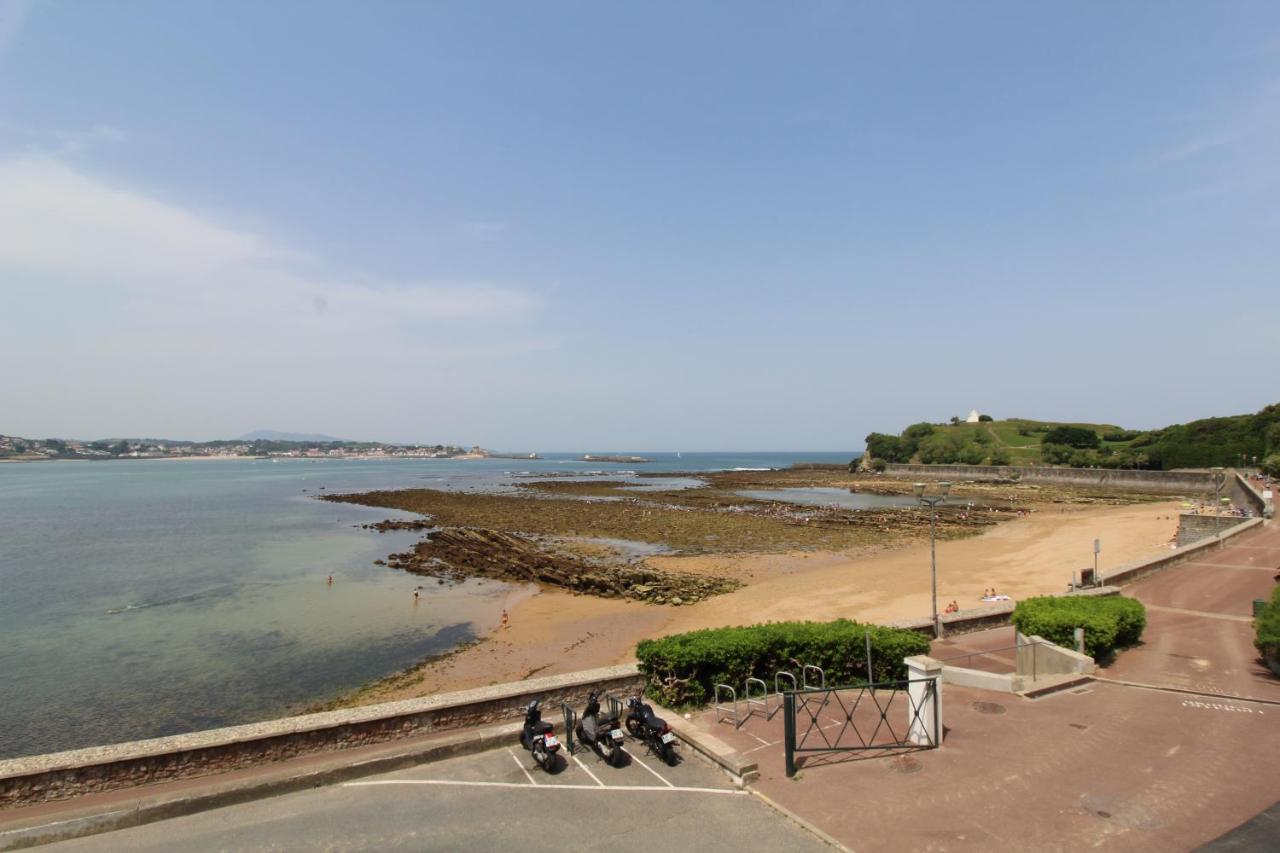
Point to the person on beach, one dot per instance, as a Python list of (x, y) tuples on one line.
[(505, 619), (415, 596), (330, 580)]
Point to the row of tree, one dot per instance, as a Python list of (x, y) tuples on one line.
[(1237, 440)]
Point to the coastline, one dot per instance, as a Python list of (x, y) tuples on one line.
[(554, 631)]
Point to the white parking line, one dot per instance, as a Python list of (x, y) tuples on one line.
[(588, 769), (636, 758), (520, 764), (613, 788)]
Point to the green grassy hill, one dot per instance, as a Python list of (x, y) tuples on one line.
[(1229, 441)]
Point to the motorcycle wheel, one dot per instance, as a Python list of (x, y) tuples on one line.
[(540, 754), (633, 727), (607, 750), (669, 754)]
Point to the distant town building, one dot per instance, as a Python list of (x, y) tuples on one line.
[(973, 418)]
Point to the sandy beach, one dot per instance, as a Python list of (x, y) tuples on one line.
[(552, 631)]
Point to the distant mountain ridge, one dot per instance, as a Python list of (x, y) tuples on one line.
[(276, 435)]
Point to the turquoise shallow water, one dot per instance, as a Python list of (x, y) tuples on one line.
[(144, 598)]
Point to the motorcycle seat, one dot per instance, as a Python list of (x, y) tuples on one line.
[(650, 720), (541, 728)]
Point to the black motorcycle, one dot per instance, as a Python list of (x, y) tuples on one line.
[(653, 730), (539, 737), (601, 732)]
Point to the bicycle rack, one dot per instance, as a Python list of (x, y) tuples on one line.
[(761, 700), (822, 677), (615, 706), (570, 725), (777, 688), (731, 710)]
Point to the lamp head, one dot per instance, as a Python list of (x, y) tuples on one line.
[(918, 488), (943, 488)]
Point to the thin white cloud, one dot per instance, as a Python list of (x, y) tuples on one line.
[(1231, 147), (52, 141), (105, 280)]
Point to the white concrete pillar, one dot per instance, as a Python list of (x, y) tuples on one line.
[(929, 721)]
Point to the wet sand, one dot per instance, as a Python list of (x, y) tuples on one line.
[(553, 632)]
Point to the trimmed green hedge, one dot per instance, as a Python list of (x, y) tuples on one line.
[(683, 669), (1109, 622), (1267, 627)]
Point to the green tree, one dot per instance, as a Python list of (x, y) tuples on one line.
[(1072, 437), (1055, 454), (1271, 465), (890, 448), (1000, 456), (985, 418)]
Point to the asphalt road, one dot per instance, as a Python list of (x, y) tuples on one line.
[(491, 801)]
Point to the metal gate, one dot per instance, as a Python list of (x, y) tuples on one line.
[(872, 717)]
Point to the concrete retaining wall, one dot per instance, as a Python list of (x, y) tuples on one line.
[(965, 622), (1130, 572), (1253, 498), (1038, 658), (1158, 482), (34, 779)]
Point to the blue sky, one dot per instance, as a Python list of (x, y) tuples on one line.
[(647, 226)]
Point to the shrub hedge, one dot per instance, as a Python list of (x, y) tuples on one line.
[(683, 669), (1267, 627), (1109, 622)]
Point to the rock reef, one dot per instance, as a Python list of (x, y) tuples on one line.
[(461, 552)]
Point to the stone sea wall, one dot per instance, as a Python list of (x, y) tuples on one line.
[(60, 775), (1161, 482), (1195, 528)]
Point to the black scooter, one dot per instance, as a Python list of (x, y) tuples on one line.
[(539, 737), (653, 730), (601, 732)]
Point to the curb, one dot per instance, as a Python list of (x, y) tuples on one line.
[(157, 808), (1057, 687), (742, 770), (801, 822)]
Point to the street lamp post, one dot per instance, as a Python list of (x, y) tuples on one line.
[(1219, 479), (932, 502)]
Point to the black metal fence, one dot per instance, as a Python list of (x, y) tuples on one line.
[(874, 717)]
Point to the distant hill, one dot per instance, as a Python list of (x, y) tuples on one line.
[(275, 435), (1228, 441)]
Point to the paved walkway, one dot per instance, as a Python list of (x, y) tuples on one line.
[(1199, 632), (1103, 766)]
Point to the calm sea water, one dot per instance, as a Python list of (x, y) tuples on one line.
[(145, 598)]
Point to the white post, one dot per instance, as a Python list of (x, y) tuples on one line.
[(1079, 638), (925, 727)]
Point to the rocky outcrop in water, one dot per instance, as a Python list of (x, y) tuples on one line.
[(461, 552)]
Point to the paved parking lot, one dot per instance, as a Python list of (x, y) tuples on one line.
[(493, 800)]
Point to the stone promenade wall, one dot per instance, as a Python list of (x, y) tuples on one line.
[(1158, 482), (1130, 572), (38, 778), (1196, 528), (1252, 497)]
